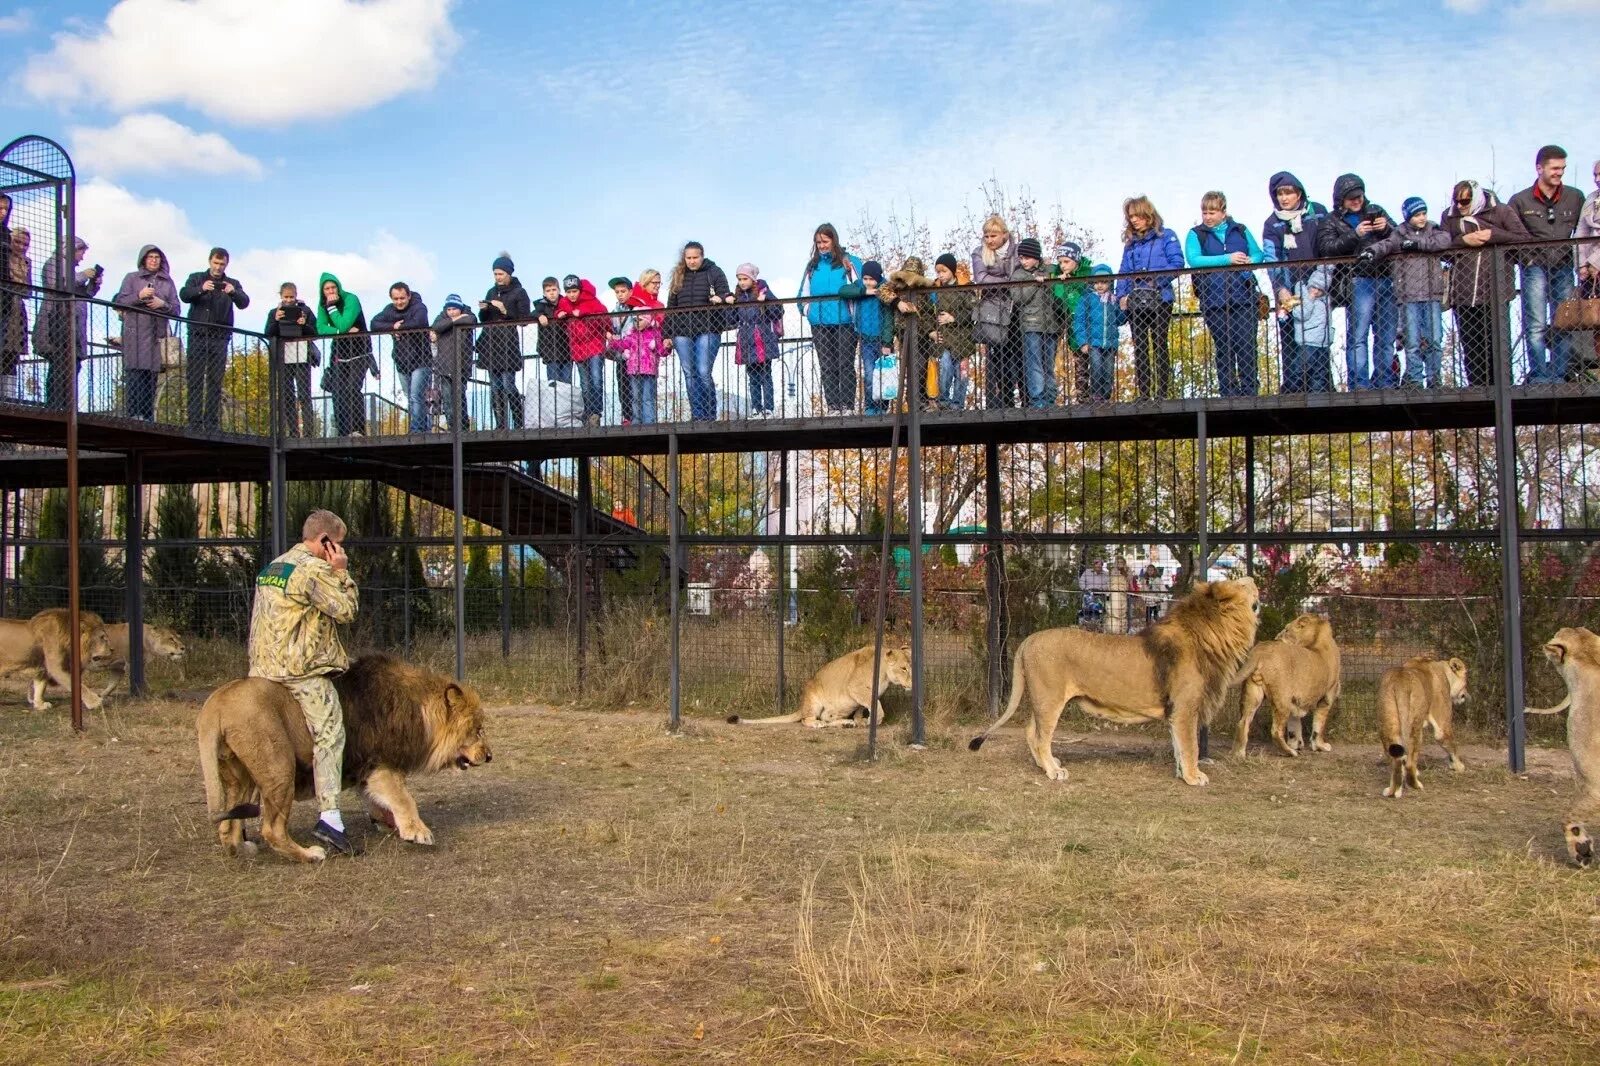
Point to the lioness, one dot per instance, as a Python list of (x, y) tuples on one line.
[(1420, 691), (398, 719), (839, 689), (38, 649), (1299, 672), (1177, 669), (159, 643), (1576, 653)]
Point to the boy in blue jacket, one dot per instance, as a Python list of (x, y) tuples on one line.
[(874, 328), (1095, 327)]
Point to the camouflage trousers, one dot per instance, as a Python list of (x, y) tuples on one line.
[(319, 702)]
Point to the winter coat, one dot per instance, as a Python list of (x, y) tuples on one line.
[(14, 338), (411, 350), (1471, 280), (1548, 221), (1589, 226), (1313, 316), (352, 353), (1213, 246), (1098, 318), (1067, 294), (500, 347), (1337, 235), (1417, 277), (50, 331), (825, 279), (954, 337), (1287, 240), (696, 291), (290, 328), (552, 343), (995, 305), (452, 355), (641, 342), (871, 318), (1036, 308), (145, 324), (1156, 250), (588, 323), (758, 324), (214, 308)]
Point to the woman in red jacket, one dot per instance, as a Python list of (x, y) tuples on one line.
[(588, 326)]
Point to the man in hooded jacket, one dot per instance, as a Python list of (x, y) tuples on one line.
[(1355, 225), (1289, 235)]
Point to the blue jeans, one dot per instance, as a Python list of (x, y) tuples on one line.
[(1372, 310), (1542, 288), (952, 383), (697, 355), (1233, 348), (558, 370), (758, 387), (592, 379), (871, 349), (1307, 368), (1102, 372), (643, 387), (504, 399), (1424, 342), (1039, 368), (417, 400)]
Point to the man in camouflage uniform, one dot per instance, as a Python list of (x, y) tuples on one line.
[(301, 596)]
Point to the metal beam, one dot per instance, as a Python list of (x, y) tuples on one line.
[(780, 571), (1505, 448), (994, 576), (674, 666), (919, 725), (133, 571), (456, 479)]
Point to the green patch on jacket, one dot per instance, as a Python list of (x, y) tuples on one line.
[(276, 575)]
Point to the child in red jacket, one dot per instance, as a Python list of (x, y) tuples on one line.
[(588, 327)]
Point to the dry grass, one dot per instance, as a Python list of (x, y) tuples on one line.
[(606, 893)]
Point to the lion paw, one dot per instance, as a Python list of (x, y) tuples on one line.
[(1321, 745), (420, 835), (42, 705), (1199, 779), (1390, 792), (316, 853), (1056, 773), (1456, 764)]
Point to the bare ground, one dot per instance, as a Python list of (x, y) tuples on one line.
[(607, 893)]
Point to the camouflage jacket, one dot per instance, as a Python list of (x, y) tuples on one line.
[(300, 599)]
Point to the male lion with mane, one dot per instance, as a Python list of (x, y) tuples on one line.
[(1575, 651), (40, 649), (842, 687), (1178, 669), (255, 749)]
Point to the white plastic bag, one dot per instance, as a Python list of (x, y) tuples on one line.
[(552, 405), (886, 378)]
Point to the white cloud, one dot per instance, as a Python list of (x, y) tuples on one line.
[(117, 222), (249, 62), (20, 21), (1466, 7), (149, 142)]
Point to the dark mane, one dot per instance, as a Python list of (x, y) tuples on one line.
[(383, 719)]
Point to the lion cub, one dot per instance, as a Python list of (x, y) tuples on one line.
[(1299, 672), (842, 687), (1576, 653), (1421, 691)]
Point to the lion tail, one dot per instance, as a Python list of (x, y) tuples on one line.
[(1557, 709), (208, 734), (1252, 662), (1019, 686), (781, 719)]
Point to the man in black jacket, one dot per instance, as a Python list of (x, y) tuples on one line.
[(413, 354), (212, 297), (1353, 225), (1549, 211)]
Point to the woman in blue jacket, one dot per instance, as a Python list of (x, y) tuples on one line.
[(1229, 299), (1148, 245), (833, 332)]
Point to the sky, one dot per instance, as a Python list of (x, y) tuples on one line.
[(417, 139)]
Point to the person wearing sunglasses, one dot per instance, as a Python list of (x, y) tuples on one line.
[(1476, 218), (1549, 211)]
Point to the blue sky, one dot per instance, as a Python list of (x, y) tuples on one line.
[(417, 138)]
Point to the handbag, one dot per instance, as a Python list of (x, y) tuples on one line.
[(1143, 301), (1581, 312), (171, 350)]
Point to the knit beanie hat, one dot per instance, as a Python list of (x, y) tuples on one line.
[(614, 282), (947, 261), (1412, 205), (571, 281), (503, 262), (872, 269), (1069, 250), (1029, 248), (454, 300), (747, 270)]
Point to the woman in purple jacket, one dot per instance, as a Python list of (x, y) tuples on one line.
[(149, 299), (1148, 245), (994, 325)]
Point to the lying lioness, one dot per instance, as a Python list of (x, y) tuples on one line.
[(842, 687)]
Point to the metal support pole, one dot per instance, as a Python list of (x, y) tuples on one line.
[(405, 580), (675, 681), (457, 491), (919, 730), (778, 569), (505, 566), (133, 570), (1202, 520), (1250, 506), (8, 500), (581, 527), (280, 502), (1505, 449), (74, 582), (994, 575), (886, 553)]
